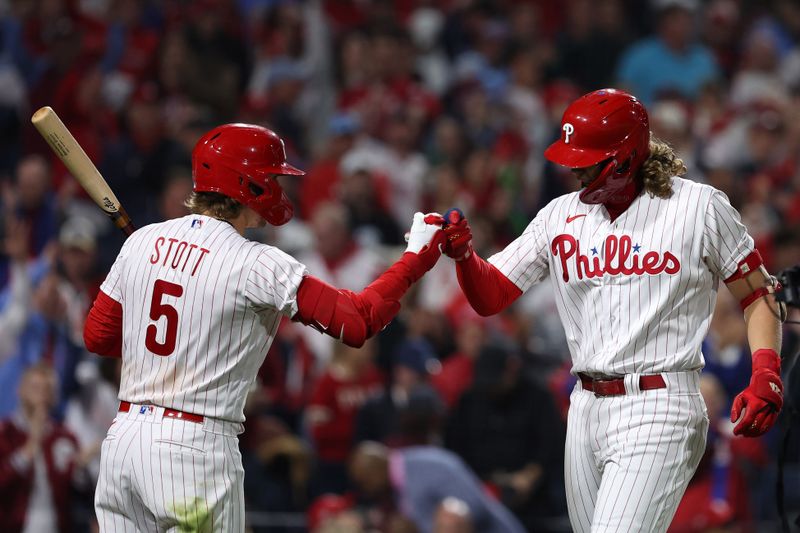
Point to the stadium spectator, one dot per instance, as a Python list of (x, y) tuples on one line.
[(671, 61), (336, 258), (40, 464), (46, 337), (32, 200), (594, 36), (417, 481), (492, 429), (15, 308), (138, 162), (349, 382), (383, 418), (372, 223), (320, 183), (458, 368)]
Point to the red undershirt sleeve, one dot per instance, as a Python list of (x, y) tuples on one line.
[(487, 289), (354, 317), (102, 331)]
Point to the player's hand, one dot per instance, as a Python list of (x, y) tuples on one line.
[(426, 238), (762, 400), (459, 235)]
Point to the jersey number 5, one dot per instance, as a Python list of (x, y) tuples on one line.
[(159, 309)]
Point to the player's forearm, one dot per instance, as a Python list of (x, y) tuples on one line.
[(355, 317), (763, 325), (487, 290)]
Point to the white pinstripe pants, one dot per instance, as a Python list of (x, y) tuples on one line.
[(629, 458), (169, 475)]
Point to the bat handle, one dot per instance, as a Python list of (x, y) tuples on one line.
[(123, 221)]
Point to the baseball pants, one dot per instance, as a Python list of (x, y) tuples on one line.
[(169, 475), (630, 457)]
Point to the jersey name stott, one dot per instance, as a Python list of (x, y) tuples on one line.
[(177, 256), (617, 259)]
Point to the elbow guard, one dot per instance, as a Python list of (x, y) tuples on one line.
[(330, 311)]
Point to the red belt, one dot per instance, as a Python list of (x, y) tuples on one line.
[(124, 407), (616, 386)]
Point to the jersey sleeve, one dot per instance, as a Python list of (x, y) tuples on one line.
[(112, 285), (725, 239), (273, 281), (525, 261)]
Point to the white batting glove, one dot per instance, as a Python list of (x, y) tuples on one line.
[(423, 230)]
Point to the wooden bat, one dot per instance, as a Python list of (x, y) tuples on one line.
[(70, 152)]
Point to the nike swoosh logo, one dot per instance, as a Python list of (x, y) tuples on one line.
[(573, 217)]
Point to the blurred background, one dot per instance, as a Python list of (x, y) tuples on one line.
[(391, 107)]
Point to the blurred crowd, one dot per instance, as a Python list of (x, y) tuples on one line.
[(446, 422)]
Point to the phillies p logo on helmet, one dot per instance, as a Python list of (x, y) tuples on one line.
[(569, 129)]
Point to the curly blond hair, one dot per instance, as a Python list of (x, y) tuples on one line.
[(659, 168), (214, 205)]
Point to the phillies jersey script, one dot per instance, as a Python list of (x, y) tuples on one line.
[(635, 295), (201, 305)]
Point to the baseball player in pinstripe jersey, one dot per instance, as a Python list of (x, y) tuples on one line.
[(635, 258), (192, 306)]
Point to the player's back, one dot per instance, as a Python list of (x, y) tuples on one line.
[(201, 305)]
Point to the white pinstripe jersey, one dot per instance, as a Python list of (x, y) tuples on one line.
[(635, 295), (201, 305)]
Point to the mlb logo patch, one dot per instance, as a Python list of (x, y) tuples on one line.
[(197, 223), (145, 409)]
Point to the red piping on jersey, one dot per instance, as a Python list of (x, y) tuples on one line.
[(102, 331), (487, 289), (355, 317)]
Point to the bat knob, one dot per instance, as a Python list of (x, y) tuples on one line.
[(453, 215)]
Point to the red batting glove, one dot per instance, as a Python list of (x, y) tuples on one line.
[(762, 400), (458, 235)]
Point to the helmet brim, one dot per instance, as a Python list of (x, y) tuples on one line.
[(564, 154), (288, 170)]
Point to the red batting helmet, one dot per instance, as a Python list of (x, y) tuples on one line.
[(241, 161), (605, 125)]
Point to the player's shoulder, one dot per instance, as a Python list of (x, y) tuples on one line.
[(155, 226), (267, 254), (684, 188), (561, 205)]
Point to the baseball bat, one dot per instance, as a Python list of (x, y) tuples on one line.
[(75, 159)]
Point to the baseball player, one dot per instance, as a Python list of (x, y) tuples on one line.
[(635, 259), (192, 307)]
